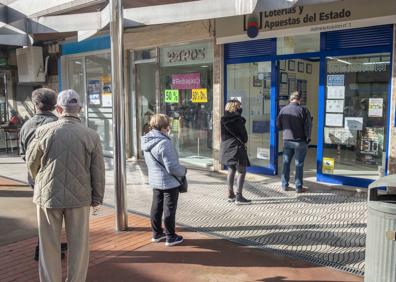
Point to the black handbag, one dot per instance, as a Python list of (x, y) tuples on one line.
[(183, 181)]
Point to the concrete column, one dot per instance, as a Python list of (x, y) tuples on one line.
[(218, 101), (392, 129), (117, 68)]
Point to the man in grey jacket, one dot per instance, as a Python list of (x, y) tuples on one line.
[(66, 162), (44, 101)]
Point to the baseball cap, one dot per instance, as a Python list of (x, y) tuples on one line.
[(69, 99)]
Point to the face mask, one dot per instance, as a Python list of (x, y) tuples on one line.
[(239, 110)]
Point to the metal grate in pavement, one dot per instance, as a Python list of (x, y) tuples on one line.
[(325, 227)]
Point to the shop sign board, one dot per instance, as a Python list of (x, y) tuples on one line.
[(171, 96), (337, 15), (192, 54), (375, 107), (328, 165), (199, 95), (186, 80)]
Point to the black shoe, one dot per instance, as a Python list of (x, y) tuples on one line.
[(285, 188), (231, 198), (240, 200), (36, 253), (158, 238), (63, 247), (174, 241)]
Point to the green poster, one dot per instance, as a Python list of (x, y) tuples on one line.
[(171, 96)]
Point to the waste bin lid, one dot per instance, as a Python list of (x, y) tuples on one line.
[(386, 181), (388, 207)]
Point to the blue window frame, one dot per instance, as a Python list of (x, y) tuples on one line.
[(378, 39)]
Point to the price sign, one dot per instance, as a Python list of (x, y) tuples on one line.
[(171, 96), (200, 95)]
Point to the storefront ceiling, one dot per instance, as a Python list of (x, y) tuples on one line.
[(20, 19)]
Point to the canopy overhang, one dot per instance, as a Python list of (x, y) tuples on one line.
[(19, 19)]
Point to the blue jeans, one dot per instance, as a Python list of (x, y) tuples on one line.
[(299, 150)]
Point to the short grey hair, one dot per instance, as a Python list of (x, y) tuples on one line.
[(44, 99), (295, 95)]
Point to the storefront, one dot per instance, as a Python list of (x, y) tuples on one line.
[(86, 68), (344, 76), (174, 76)]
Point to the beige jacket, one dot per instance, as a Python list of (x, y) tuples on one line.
[(66, 161)]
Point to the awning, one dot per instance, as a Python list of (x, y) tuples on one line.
[(21, 18)]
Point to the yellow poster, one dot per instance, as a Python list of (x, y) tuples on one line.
[(328, 166), (200, 95)]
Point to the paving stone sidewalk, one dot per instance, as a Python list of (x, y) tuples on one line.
[(322, 226)]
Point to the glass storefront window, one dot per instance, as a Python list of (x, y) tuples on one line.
[(75, 74), (99, 97), (251, 84), (145, 84), (356, 115), (187, 97), (298, 44)]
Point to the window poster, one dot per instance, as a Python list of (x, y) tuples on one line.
[(340, 136), (199, 95), (354, 123), (334, 119), (371, 145), (94, 91), (263, 153), (171, 96), (375, 108), (335, 92), (328, 165), (335, 79), (335, 106)]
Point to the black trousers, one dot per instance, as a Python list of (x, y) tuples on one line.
[(164, 202)]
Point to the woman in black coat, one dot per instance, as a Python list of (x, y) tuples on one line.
[(233, 151)]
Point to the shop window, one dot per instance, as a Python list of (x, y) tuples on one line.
[(356, 115), (186, 95), (298, 44), (99, 97), (75, 75), (251, 84)]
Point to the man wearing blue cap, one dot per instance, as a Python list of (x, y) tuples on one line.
[(65, 160)]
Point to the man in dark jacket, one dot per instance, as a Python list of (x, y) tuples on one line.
[(296, 123), (44, 101)]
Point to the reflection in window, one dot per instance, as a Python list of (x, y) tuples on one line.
[(99, 97), (356, 114), (251, 83), (298, 44)]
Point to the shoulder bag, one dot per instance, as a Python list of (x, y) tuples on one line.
[(183, 181)]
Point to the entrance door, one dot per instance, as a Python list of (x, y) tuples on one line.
[(300, 74), (251, 84)]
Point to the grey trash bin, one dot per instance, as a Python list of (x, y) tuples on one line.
[(381, 232)]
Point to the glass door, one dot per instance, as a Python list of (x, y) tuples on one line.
[(251, 84)]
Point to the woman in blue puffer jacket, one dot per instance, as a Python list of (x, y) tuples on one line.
[(163, 166)]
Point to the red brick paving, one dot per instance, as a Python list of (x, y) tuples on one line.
[(129, 256), (4, 181)]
